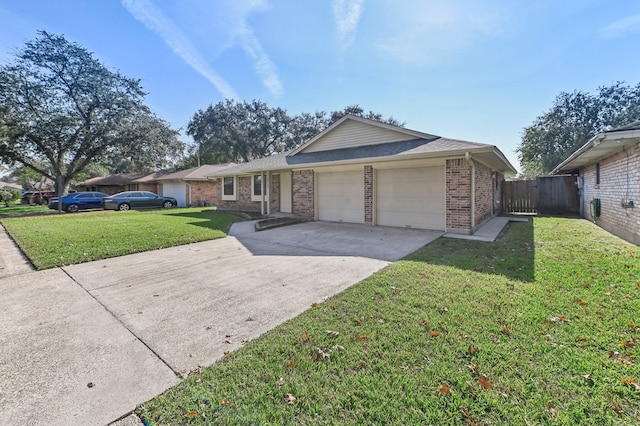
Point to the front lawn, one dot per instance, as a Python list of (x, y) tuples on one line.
[(541, 327), (57, 240), (17, 209)]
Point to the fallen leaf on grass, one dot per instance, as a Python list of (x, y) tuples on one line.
[(224, 402), (314, 304), (362, 337), (332, 333), (582, 302), (445, 389), (484, 382), (472, 350), (290, 399), (191, 414), (305, 337), (473, 368), (627, 344), (550, 407), (506, 331), (280, 382), (624, 359), (324, 353), (617, 408), (467, 417), (434, 333), (634, 385)]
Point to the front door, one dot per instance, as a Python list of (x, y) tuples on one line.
[(285, 192)]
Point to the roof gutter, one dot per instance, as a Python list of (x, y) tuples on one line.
[(370, 160), (593, 142)]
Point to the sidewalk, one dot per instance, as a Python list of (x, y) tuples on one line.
[(12, 261)]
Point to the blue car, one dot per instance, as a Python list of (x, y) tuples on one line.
[(79, 201)]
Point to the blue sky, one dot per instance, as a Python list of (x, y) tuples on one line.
[(466, 69)]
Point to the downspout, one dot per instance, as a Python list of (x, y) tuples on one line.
[(190, 200), (467, 157)]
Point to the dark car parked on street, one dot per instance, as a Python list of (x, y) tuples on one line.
[(79, 201), (138, 200)]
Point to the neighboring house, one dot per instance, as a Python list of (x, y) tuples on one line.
[(191, 187), (364, 171), (121, 182), (608, 170)]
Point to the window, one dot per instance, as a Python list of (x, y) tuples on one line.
[(132, 187), (597, 173), (229, 188), (256, 188)]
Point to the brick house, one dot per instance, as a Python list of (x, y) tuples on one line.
[(190, 187), (365, 171), (608, 176)]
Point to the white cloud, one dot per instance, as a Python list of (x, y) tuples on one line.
[(227, 25), (153, 18), (347, 16), (430, 33), (630, 24), (262, 64)]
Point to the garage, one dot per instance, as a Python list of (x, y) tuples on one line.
[(341, 196), (413, 197), (177, 191)]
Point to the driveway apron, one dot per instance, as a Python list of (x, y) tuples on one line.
[(86, 343)]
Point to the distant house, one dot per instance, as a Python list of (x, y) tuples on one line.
[(120, 182), (608, 170), (190, 187), (365, 171)]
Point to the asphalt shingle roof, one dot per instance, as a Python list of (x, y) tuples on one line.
[(436, 145)]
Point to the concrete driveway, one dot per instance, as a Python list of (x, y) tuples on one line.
[(85, 344)]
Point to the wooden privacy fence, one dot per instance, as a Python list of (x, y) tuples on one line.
[(544, 195)]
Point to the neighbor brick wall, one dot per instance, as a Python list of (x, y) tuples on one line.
[(303, 193), (368, 195), (619, 179), (458, 184), (484, 193), (202, 190)]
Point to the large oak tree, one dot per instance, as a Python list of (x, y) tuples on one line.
[(573, 119), (61, 109), (233, 131)]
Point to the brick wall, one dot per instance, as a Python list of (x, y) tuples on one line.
[(303, 193), (619, 179), (202, 190), (368, 195), (243, 202), (484, 193), (275, 193), (458, 196)]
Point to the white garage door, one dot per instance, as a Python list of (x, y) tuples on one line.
[(177, 191), (411, 198), (341, 196)]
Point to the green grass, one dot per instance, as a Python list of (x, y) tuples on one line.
[(16, 209), (58, 240), (541, 327)]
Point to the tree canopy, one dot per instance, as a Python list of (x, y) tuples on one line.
[(573, 119), (232, 131), (61, 109)]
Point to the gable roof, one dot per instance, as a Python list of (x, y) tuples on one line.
[(381, 142), (194, 173), (358, 131), (114, 180), (602, 145)]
